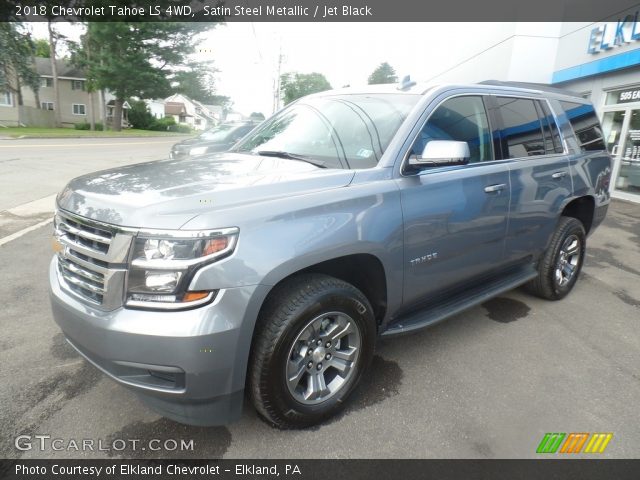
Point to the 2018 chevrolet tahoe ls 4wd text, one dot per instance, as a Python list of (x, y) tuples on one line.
[(347, 215)]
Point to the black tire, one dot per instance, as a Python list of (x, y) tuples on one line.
[(547, 285), (285, 316)]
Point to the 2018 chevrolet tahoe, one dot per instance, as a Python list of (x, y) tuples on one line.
[(349, 214)]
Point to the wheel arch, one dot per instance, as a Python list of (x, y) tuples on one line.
[(364, 271), (582, 209)]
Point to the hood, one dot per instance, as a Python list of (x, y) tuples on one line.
[(168, 193), (190, 142)]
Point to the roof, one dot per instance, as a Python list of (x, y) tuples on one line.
[(175, 108), (112, 103), (215, 109), (64, 67), (423, 88)]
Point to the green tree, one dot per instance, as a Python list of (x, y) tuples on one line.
[(259, 116), (225, 102), (41, 48), (54, 38), (16, 60), (135, 58), (197, 82), (383, 74), (139, 115), (296, 85)]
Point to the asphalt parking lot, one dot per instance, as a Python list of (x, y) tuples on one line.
[(488, 383)]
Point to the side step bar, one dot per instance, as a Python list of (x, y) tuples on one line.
[(453, 305)]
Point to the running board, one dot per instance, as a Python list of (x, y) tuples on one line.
[(460, 302)]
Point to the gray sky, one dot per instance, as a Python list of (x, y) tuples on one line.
[(246, 54)]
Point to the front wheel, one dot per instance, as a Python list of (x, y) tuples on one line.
[(314, 339), (562, 261)]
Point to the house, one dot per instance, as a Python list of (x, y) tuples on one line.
[(111, 107), (178, 111), (190, 112), (217, 111), (76, 104), (156, 107)]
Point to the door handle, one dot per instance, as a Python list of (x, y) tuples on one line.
[(495, 188), (559, 175)]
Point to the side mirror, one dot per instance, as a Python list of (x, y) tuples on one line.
[(442, 153)]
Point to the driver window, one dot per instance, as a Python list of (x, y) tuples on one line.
[(462, 119)]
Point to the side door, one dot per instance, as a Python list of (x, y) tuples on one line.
[(539, 172), (455, 217)]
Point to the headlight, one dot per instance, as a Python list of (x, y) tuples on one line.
[(163, 264), (198, 151)]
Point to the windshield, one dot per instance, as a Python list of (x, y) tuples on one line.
[(341, 131), (223, 132)]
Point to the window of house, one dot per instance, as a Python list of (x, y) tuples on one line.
[(46, 82), (79, 109), (77, 85), (462, 119), (5, 99), (46, 105), (521, 132)]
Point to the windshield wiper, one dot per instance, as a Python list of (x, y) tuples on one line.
[(290, 156)]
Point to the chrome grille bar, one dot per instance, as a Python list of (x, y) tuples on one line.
[(74, 280), (92, 260), (79, 271), (86, 234)]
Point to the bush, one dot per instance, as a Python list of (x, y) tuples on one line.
[(87, 126), (162, 124), (180, 128), (139, 115)]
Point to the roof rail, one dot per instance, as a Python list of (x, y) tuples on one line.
[(543, 87)]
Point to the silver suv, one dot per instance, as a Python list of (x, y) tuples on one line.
[(348, 215)]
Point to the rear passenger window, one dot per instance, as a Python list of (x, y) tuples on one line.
[(585, 124), (552, 141), (521, 132), (462, 119)]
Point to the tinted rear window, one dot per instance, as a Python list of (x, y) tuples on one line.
[(552, 141), (521, 128), (585, 124)]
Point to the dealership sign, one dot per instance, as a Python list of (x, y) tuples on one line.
[(614, 34), (632, 95)]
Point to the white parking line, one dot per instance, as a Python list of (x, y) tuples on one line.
[(36, 207), (84, 145), (22, 232)]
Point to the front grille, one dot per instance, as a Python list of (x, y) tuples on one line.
[(86, 235), (83, 281), (92, 259)]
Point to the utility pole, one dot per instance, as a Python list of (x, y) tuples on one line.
[(276, 89)]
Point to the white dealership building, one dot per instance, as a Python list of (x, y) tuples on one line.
[(599, 60)]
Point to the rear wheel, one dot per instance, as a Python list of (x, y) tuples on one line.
[(562, 261), (314, 339)]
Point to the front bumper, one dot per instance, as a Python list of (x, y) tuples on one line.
[(188, 365)]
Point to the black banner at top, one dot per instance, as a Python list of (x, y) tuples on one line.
[(314, 10)]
